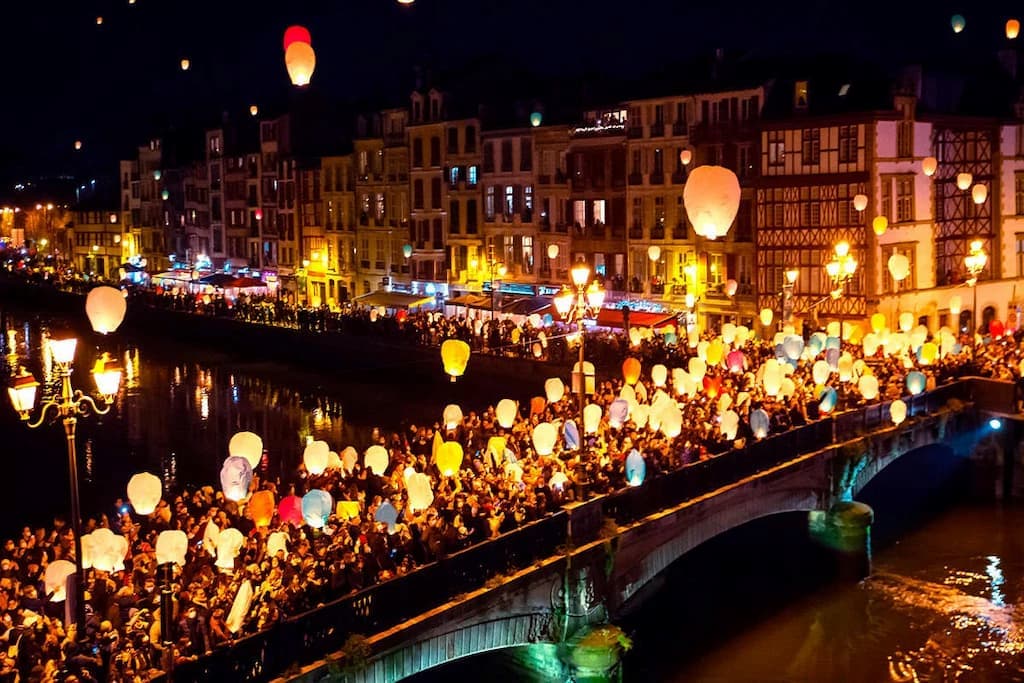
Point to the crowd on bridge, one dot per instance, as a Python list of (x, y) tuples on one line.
[(667, 409)]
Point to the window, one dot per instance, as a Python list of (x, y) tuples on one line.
[(471, 216), (716, 273), (811, 146), (471, 176), (847, 144), (454, 224), (579, 213), (800, 95), (417, 194), (435, 193), (435, 151), (637, 214), (525, 154), (905, 139), (510, 201), (417, 153), (906, 250), (659, 162), (453, 140), (659, 211), (489, 203), (528, 198), (1018, 191), (470, 139), (886, 208), (635, 163), (744, 166), (599, 212), (1020, 254), (776, 149), (904, 199), (453, 175), (363, 164), (488, 157), (527, 259), (506, 156), (380, 207)]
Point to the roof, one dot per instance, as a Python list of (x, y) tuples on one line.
[(393, 299), (613, 317)]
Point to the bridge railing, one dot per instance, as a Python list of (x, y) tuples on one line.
[(307, 637)]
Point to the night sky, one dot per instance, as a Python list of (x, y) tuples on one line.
[(65, 78)]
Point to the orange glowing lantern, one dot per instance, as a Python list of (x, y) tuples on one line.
[(260, 508), (631, 370), (300, 59), (1012, 29)]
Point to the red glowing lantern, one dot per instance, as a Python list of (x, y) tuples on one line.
[(259, 214), (712, 386), (631, 370), (290, 510), (996, 329), (537, 405), (296, 34), (401, 315)]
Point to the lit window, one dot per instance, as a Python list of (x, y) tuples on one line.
[(453, 175), (599, 216), (472, 175)]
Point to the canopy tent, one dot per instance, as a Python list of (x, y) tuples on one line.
[(172, 278), (393, 299), (246, 283), (528, 306), (612, 317), (217, 280), (469, 300)]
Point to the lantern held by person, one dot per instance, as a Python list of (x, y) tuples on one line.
[(449, 458), (544, 437), (631, 370), (898, 411), (452, 416), (247, 445), (260, 508), (290, 510), (636, 468), (144, 491), (171, 547), (235, 477), (505, 412), (376, 459), (868, 387), (554, 389), (316, 508), (315, 457), (591, 418)]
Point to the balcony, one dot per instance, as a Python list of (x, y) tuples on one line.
[(680, 232), (634, 132), (365, 265), (364, 219), (679, 178), (636, 233), (578, 183), (635, 179), (658, 232), (543, 180), (657, 179), (680, 128), (657, 130)]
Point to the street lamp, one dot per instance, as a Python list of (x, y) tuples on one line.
[(494, 266), (67, 407), (975, 262), (569, 306), (841, 268), (787, 293)]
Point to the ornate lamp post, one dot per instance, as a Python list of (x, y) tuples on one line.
[(975, 262), (494, 267), (104, 309), (575, 307), (787, 294)]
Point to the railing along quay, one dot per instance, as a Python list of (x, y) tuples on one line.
[(310, 636)]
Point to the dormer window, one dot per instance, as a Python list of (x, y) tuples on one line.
[(800, 95)]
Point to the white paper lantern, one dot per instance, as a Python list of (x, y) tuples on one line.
[(712, 198), (729, 425), (964, 180), (820, 372), (421, 495), (898, 411), (554, 389), (228, 544), (772, 378), (671, 420), (55, 579), (210, 535), (591, 418), (506, 412), (376, 460), (860, 202), (558, 481), (979, 193), (654, 252), (697, 368), (235, 477), (955, 302), (317, 506), (277, 542), (247, 445), (144, 491), (906, 321), (105, 307), (899, 267), (104, 550), (452, 416), (766, 316), (315, 457), (544, 437), (868, 387), (659, 375), (552, 251), (171, 546)]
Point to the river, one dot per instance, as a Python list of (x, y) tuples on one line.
[(946, 600)]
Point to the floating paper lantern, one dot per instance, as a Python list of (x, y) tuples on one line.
[(845, 367), (759, 423), (654, 252), (879, 225), (406, 250), (979, 193), (659, 375), (144, 491), (898, 411), (636, 468), (929, 353), (105, 307), (56, 577), (712, 198), (554, 389), (899, 267), (316, 508), (771, 380), (916, 382), (736, 361), (571, 435), (827, 400), (591, 418), (260, 508), (185, 64), (929, 165), (334, 461), (171, 547), (631, 370), (210, 535), (386, 514), (376, 460), (455, 357), (729, 424), (506, 412), (449, 458), (544, 437), (290, 510), (906, 321), (868, 387), (235, 477), (452, 416), (685, 157), (300, 60), (618, 412), (296, 34), (958, 23), (634, 336), (1012, 28), (165, 194), (552, 251), (730, 287), (315, 457), (277, 542), (728, 333), (78, 145), (104, 550), (246, 445), (964, 180), (955, 302), (253, 110), (766, 316), (860, 202), (697, 368), (421, 495)]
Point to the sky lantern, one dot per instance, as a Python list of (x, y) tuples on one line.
[(591, 418), (315, 457), (537, 405), (929, 352), (899, 267), (712, 199), (505, 412), (171, 547), (455, 357), (636, 468), (407, 250), (654, 252), (827, 400), (964, 180), (104, 550), (879, 225), (536, 118), (253, 110), (898, 411), (376, 459), (229, 542), (955, 302), (105, 308), (820, 372), (99, 21), (144, 491), (316, 508), (671, 420), (929, 165), (165, 194), (906, 321), (659, 375), (56, 577), (421, 495), (736, 361), (452, 416), (296, 34), (729, 425), (1012, 28), (878, 322), (696, 368), (766, 316), (260, 508), (300, 59), (685, 157), (868, 387), (185, 64), (958, 23), (759, 423), (554, 389), (449, 458), (290, 510), (78, 144), (771, 380), (246, 445), (618, 413), (235, 477), (552, 251), (277, 542), (544, 437), (730, 287), (916, 382), (631, 370), (860, 202), (979, 193)]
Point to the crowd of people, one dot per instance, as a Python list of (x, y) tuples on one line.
[(500, 485)]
